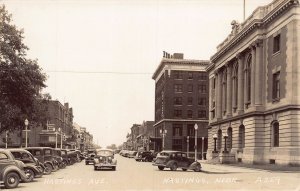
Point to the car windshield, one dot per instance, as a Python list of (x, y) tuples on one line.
[(164, 154), (104, 152)]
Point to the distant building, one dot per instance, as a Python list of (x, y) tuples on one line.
[(181, 101), (254, 88)]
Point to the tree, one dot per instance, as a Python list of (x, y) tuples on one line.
[(21, 79), (112, 147)]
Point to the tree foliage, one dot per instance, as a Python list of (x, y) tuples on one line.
[(21, 79)]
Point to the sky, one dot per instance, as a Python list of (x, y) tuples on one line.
[(99, 55)]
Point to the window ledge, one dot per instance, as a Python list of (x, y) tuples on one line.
[(275, 100)]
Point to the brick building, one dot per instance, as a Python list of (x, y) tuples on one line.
[(181, 101), (254, 88)]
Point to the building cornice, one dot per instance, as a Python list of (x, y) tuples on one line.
[(256, 113), (180, 62), (180, 120), (265, 15)]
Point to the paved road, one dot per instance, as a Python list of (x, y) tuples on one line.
[(131, 175)]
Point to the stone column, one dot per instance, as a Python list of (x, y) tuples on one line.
[(240, 102), (253, 66), (229, 91), (219, 95), (258, 72)]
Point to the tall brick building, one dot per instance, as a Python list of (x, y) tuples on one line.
[(254, 88), (181, 101)]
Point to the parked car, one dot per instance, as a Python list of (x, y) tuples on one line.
[(73, 156), (174, 160), (90, 158), (32, 167), (45, 156), (65, 156), (105, 159), (11, 170), (145, 156), (58, 157), (131, 154)]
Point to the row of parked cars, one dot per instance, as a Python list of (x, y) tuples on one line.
[(165, 159), (24, 164), (139, 156)]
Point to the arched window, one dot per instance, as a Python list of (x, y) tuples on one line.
[(275, 134), (241, 136), (248, 79), (224, 91), (219, 145), (235, 87), (229, 139)]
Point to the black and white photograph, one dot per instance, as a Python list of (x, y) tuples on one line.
[(100, 95)]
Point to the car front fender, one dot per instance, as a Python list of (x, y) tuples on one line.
[(114, 162)]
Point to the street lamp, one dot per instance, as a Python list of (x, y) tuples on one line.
[(215, 137), (56, 132), (187, 145), (163, 133), (225, 135), (6, 138), (26, 122), (196, 128), (202, 148)]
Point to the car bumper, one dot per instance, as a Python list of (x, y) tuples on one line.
[(104, 165)]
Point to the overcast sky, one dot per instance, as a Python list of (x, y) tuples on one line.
[(100, 55)]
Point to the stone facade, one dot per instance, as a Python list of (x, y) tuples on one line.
[(254, 88)]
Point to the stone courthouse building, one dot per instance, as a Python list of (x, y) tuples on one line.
[(254, 88)]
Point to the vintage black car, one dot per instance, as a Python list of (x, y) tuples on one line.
[(104, 159), (65, 156), (145, 156), (11, 170), (90, 158), (32, 167), (58, 157), (174, 160), (45, 156)]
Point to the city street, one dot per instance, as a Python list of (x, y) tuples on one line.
[(132, 175)]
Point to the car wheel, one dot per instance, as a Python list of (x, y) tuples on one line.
[(174, 166), (197, 168), (184, 169), (114, 168), (29, 174), (86, 163), (95, 168), (11, 180), (49, 167), (161, 167)]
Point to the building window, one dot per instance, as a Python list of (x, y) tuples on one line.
[(177, 129), (189, 114), (190, 75), (235, 87), (276, 44), (248, 81), (241, 136), (214, 83), (213, 114), (190, 130), (177, 100), (201, 114), (219, 140), (178, 75), (177, 144), (224, 92), (202, 101), (275, 134), (202, 88), (190, 88), (177, 113), (178, 88), (202, 76), (276, 86), (190, 100), (229, 139)]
